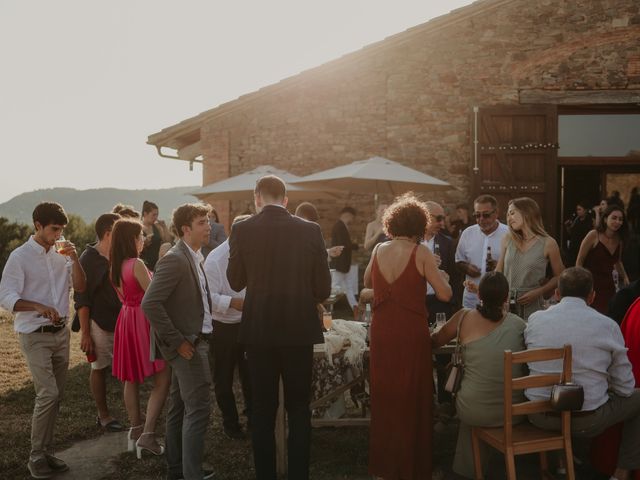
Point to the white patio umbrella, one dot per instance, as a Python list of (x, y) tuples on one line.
[(241, 187), (375, 175)]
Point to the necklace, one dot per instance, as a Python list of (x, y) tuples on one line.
[(406, 239)]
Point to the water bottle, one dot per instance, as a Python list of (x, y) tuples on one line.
[(367, 320), (616, 278)]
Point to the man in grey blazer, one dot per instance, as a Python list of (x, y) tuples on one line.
[(178, 307)]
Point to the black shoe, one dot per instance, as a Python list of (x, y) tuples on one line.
[(234, 433), (40, 468), (56, 464), (206, 475)]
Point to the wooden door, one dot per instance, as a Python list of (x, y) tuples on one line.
[(517, 157)]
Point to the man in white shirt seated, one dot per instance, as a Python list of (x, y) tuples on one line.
[(471, 253), (227, 351), (36, 282), (600, 365)]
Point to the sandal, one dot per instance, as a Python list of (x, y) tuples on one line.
[(134, 434), (147, 441), (111, 426)]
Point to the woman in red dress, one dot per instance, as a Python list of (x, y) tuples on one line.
[(131, 341), (401, 372), (601, 254)]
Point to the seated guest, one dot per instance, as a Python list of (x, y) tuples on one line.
[(600, 365), (486, 333)]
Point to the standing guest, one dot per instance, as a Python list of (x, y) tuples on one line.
[(486, 332), (152, 235), (131, 344), (374, 234), (35, 283), (228, 352), (601, 254), (281, 261), (441, 246), (342, 263), (525, 252), (600, 365), (578, 227), (463, 221), (97, 310), (178, 306), (217, 235), (400, 439), (633, 210), (308, 211), (475, 243), (599, 209), (125, 211)]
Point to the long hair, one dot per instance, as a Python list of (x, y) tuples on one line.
[(531, 217), (123, 245), (623, 231)]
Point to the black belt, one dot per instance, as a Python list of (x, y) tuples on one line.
[(580, 413), (49, 328)]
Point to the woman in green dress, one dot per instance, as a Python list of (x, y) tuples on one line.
[(485, 333)]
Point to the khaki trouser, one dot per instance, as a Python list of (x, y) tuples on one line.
[(47, 356), (617, 409)]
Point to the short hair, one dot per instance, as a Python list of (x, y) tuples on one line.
[(308, 211), (126, 211), (272, 187), (184, 215), (104, 224), (493, 291), (240, 218), (406, 216), (464, 206), (49, 213), (584, 204), (623, 231), (487, 199), (348, 209), (148, 206), (575, 282)]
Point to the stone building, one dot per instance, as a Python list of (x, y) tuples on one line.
[(510, 97)]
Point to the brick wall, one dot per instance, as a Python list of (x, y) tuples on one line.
[(412, 101)]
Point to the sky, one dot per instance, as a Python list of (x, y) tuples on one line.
[(83, 84)]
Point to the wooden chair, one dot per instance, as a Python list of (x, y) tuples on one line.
[(525, 438)]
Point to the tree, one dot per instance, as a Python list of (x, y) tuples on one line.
[(12, 235)]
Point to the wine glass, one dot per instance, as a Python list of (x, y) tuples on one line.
[(441, 319), (61, 244)]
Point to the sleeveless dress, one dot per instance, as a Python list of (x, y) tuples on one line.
[(524, 270), (480, 400), (151, 252), (131, 346), (599, 261), (401, 377)]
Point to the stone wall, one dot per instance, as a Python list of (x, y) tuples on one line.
[(410, 98)]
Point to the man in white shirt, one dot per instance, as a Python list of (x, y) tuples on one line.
[(471, 253), (226, 306), (36, 282), (600, 365)]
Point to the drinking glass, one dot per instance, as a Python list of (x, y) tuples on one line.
[(327, 320), (61, 244), (441, 319)]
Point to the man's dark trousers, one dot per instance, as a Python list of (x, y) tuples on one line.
[(227, 353), (266, 366)]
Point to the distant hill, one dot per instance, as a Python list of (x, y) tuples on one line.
[(89, 204)]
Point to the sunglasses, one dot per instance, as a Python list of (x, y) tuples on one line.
[(484, 214), (438, 218)]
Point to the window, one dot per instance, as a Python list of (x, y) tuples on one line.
[(600, 135)]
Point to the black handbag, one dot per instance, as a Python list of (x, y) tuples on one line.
[(567, 396), (455, 369)]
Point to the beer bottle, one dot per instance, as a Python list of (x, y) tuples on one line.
[(489, 265)]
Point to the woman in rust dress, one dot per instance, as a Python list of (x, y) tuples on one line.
[(601, 254), (400, 439)]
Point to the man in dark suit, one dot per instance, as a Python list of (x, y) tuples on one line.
[(282, 262), (342, 263), (442, 247), (178, 307)]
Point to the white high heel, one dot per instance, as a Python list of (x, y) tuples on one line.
[(153, 447), (131, 442)]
